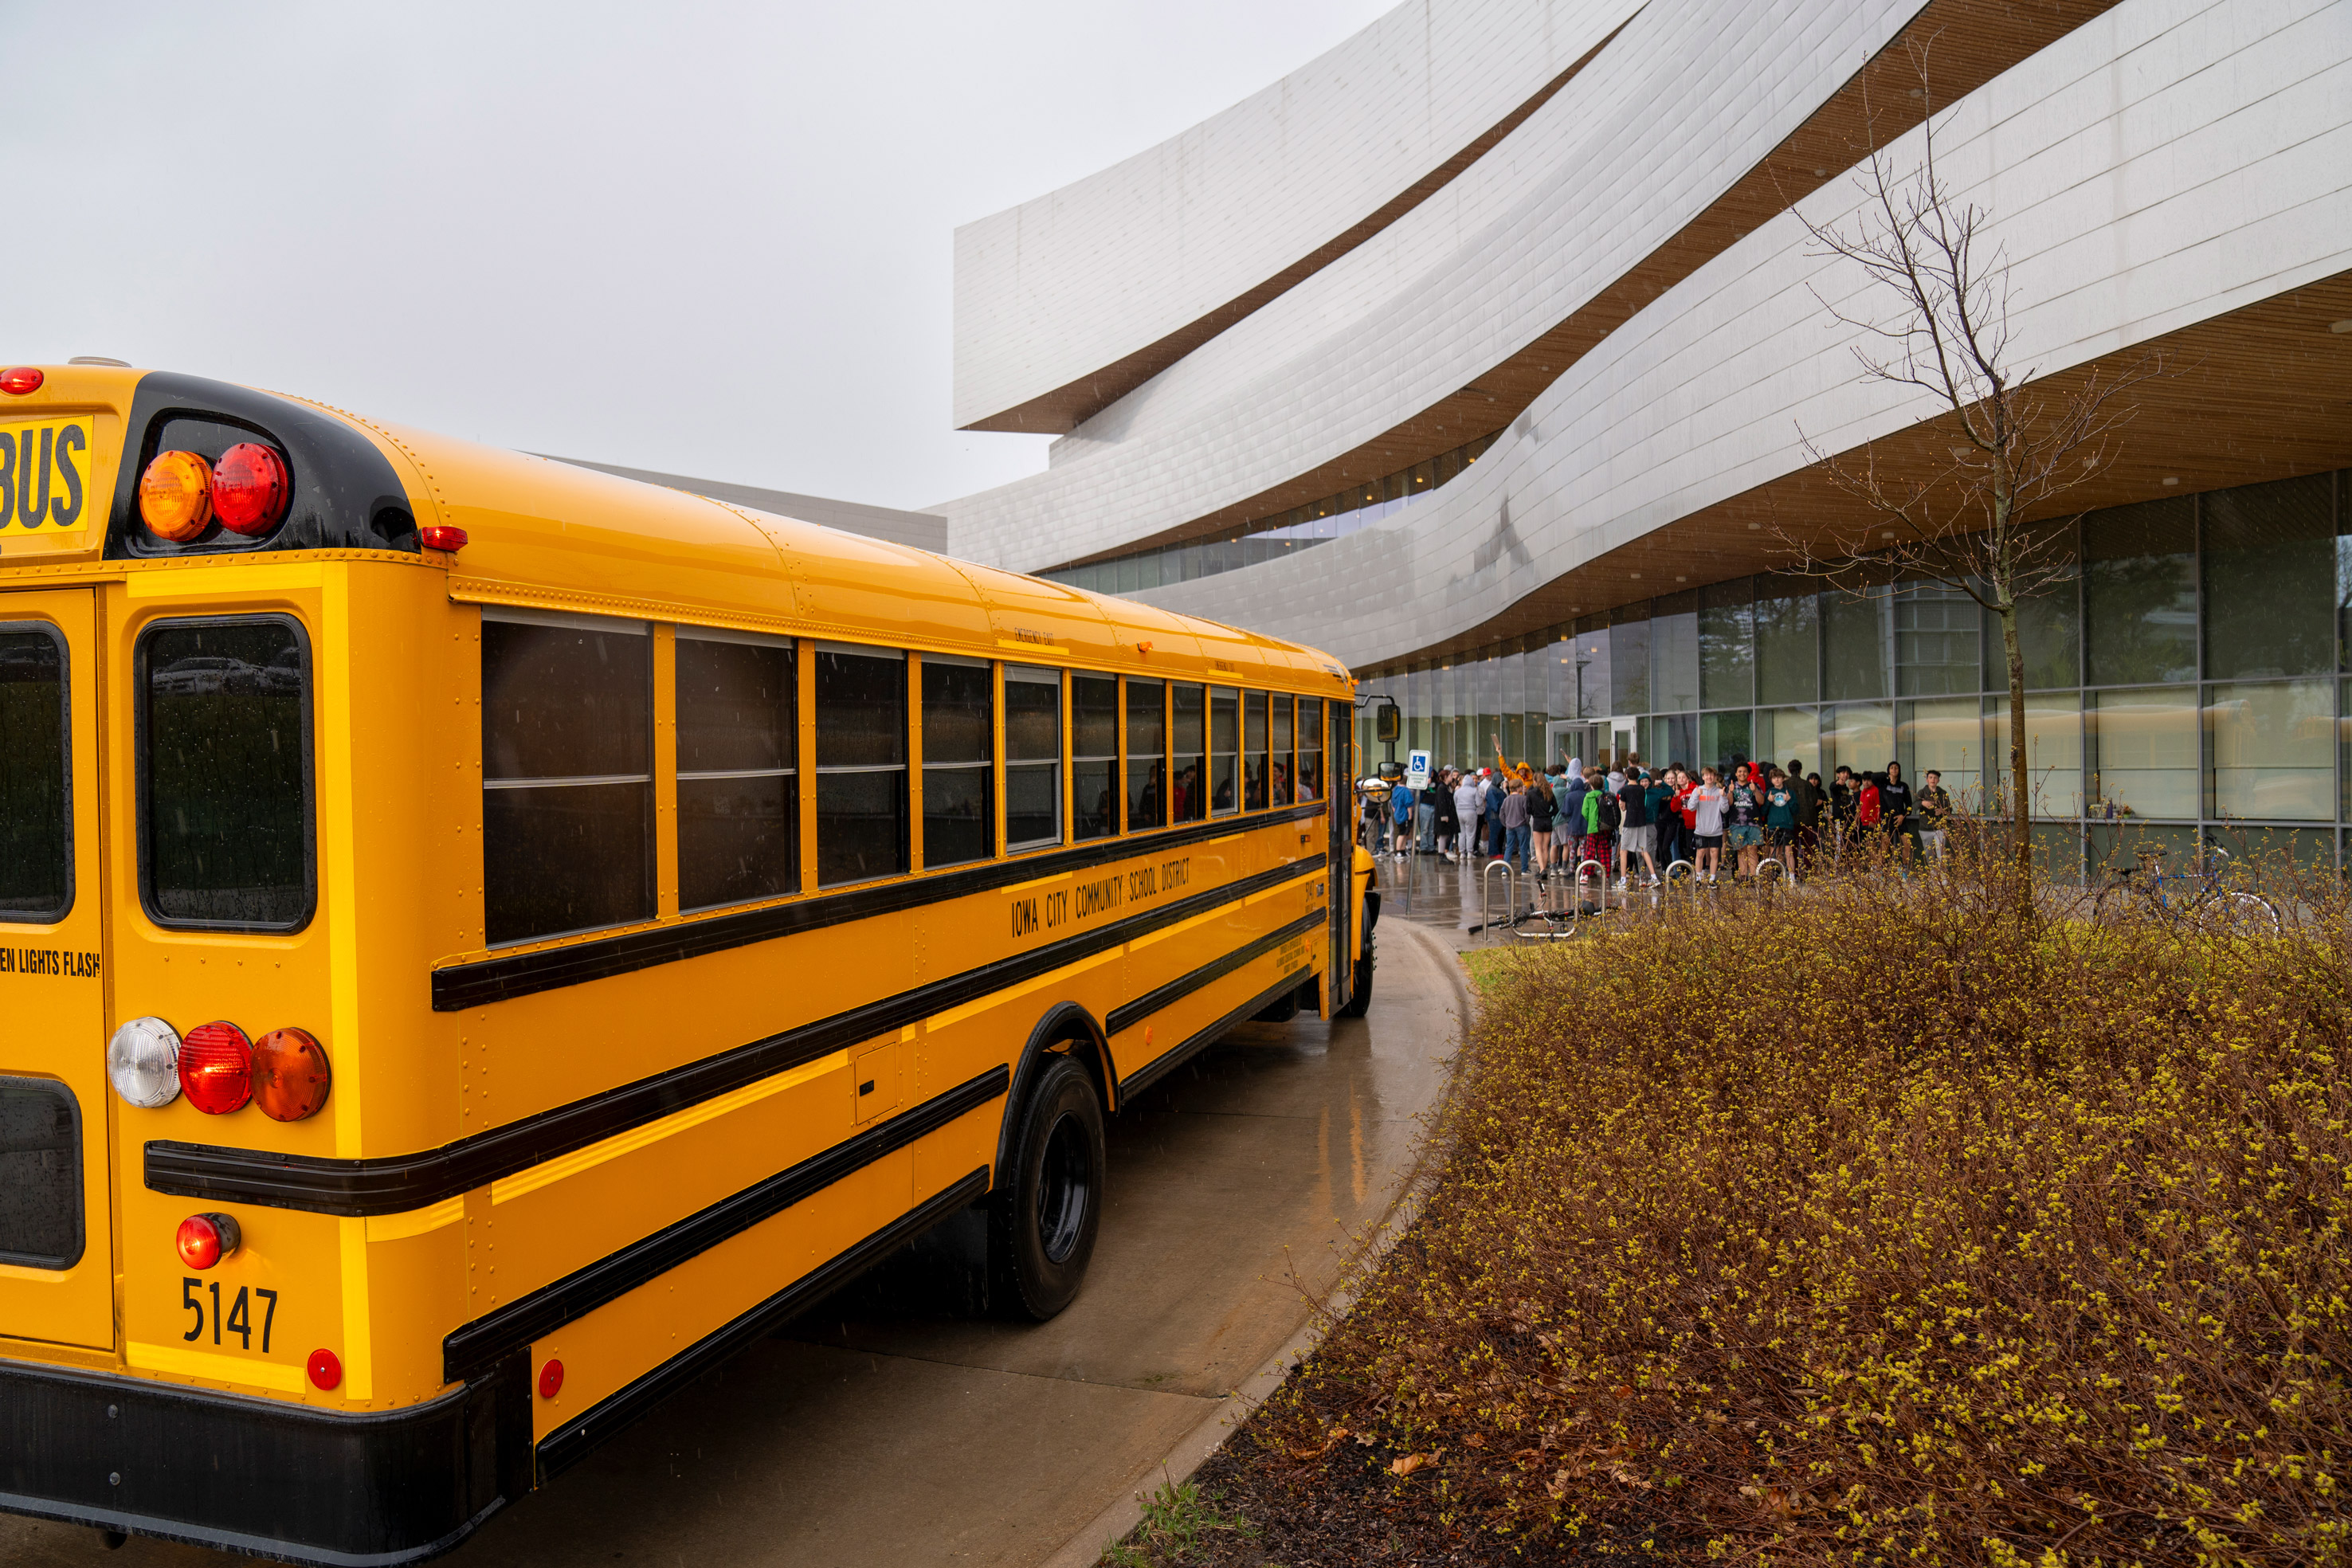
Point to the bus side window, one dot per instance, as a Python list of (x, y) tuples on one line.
[(738, 807), (35, 808), (1310, 749), (1188, 799), (1147, 754), (1094, 754), (1279, 704), (1224, 750), (1253, 750), (959, 749), (861, 763), (567, 773), (1033, 756)]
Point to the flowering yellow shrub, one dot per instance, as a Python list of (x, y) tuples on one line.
[(1872, 1223)]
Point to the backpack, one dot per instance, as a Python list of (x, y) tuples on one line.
[(1609, 814)]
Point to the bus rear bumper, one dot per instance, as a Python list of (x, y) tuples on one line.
[(276, 1480)]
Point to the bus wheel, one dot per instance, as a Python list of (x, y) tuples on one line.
[(1043, 1220), (1359, 984)]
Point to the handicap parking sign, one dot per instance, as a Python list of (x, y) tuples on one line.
[(1416, 769)]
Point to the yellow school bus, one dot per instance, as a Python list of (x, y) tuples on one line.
[(483, 940)]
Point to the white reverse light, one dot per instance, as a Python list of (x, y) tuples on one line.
[(143, 1063)]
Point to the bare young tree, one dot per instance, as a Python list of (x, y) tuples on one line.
[(1980, 512)]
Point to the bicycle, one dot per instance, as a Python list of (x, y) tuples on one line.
[(2196, 898)]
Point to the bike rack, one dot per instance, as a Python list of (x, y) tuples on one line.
[(1577, 890), (1771, 861), (1690, 877), (1487, 895)]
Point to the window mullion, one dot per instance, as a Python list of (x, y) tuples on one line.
[(665, 758)]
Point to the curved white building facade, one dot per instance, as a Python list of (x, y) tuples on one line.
[(1550, 422)]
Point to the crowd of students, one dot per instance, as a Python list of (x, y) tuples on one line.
[(1637, 823)]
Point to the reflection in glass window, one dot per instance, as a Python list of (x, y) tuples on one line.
[(567, 774), (1858, 735), (2273, 750), (1948, 735), (36, 865), (959, 758), (1788, 650), (1310, 749), (2270, 579), (2049, 636), (1253, 750), (1936, 636), (1033, 756), (1727, 647), (2139, 594), (225, 725), (1279, 709), (1147, 754), (738, 811), (1188, 734), (1783, 734), (861, 763), (1094, 754), (1673, 653), (1629, 662), (1857, 632), (2053, 751), (2144, 752), (1224, 750)]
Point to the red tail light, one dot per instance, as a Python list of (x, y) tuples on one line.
[(206, 1239), (249, 488), (289, 1075), (216, 1067), (20, 379), (442, 536)]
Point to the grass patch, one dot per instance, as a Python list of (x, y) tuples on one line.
[(1872, 1224), (1180, 1524)]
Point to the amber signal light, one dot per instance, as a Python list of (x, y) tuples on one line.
[(290, 1076)]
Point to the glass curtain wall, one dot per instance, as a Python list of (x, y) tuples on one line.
[(2188, 679)]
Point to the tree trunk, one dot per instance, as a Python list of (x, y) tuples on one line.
[(2020, 790)]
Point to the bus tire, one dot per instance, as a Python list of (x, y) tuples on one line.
[(1042, 1219), (1359, 982)]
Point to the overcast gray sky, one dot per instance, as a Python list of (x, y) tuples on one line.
[(715, 239)]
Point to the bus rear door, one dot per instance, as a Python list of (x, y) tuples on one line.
[(57, 1247)]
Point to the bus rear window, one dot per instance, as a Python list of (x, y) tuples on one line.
[(34, 866), (225, 773)]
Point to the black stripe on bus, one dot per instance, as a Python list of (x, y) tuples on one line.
[(564, 1446), (394, 1183), (1151, 1072), (476, 1346), (1128, 1013), (487, 980)]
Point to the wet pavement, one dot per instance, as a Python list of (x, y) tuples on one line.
[(889, 1428)]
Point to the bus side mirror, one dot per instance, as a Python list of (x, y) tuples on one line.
[(1387, 725)]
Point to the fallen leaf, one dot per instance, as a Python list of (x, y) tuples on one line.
[(1476, 1440), (1407, 1465)]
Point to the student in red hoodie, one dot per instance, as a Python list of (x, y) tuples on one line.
[(1866, 808)]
